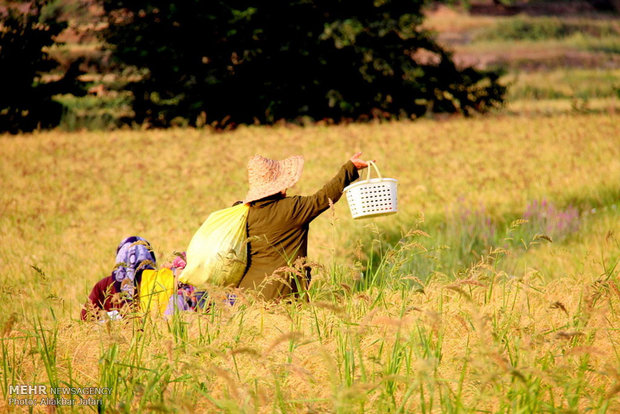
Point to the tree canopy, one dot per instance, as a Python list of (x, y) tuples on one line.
[(244, 61), (26, 101)]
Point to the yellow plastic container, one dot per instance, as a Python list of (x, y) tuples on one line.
[(156, 287)]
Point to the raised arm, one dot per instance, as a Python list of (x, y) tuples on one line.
[(307, 208)]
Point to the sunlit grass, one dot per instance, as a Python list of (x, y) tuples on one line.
[(494, 289), (453, 304), (563, 84)]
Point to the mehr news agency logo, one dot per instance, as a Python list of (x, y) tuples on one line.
[(31, 395)]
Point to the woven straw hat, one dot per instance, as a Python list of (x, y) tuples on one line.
[(267, 177)]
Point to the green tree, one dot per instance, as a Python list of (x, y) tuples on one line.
[(26, 29), (243, 61)]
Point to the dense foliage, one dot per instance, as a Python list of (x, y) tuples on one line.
[(246, 61), (26, 103)]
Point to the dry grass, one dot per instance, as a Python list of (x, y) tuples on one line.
[(528, 330), (447, 19)]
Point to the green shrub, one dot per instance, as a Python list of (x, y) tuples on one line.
[(26, 100), (94, 113), (521, 28)]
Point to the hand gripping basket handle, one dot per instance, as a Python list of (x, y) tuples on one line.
[(370, 163)]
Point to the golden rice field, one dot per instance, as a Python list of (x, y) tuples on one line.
[(459, 303)]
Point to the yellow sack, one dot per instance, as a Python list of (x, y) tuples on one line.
[(156, 287), (217, 254)]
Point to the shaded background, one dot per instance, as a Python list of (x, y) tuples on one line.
[(105, 63)]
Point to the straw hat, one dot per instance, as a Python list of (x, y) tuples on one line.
[(267, 177)]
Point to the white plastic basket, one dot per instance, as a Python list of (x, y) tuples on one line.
[(372, 197)]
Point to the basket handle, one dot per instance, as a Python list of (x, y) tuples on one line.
[(370, 163)]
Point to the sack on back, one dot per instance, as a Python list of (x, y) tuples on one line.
[(217, 254)]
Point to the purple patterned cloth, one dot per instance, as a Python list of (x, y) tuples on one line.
[(187, 298), (133, 255)]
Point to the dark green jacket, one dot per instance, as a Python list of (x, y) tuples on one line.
[(278, 232)]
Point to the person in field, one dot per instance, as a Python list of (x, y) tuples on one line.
[(187, 297), (277, 225), (118, 291)]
